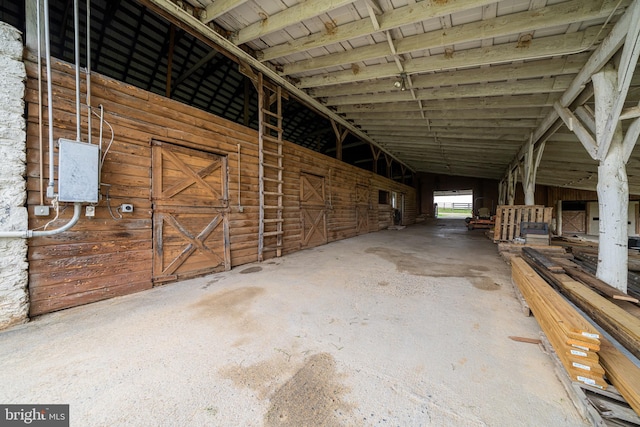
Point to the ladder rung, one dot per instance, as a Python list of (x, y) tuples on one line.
[(266, 221), (272, 193), (268, 165), (272, 127), (270, 138), (272, 153), (272, 248), (273, 180), (270, 113), (272, 233), (272, 207)]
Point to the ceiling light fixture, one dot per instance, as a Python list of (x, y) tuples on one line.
[(401, 83)]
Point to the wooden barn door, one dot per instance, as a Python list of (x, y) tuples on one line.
[(190, 212), (362, 209), (574, 222), (313, 210)]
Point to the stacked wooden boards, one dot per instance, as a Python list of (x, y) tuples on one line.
[(575, 341), (621, 324)]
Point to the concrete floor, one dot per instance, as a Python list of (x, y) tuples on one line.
[(407, 327)]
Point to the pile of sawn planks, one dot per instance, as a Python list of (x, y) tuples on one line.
[(560, 321), (575, 341)]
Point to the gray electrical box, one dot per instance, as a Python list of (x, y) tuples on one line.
[(78, 179)]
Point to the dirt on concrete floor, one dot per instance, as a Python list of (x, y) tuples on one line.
[(406, 327)]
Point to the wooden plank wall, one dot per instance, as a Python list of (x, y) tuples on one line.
[(102, 257)]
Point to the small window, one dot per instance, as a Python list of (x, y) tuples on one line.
[(383, 197)]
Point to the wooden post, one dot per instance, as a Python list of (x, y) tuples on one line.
[(613, 203), (613, 190), (389, 160), (502, 192), (172, 37), (247, 96), (530, 168), (341, 135), (511, 187), (376, 155), (559, 218)]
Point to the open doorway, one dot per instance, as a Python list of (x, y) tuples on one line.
[(453, 203)]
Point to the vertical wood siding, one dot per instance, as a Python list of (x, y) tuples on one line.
[(101, 257)]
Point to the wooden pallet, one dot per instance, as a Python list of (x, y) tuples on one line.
[(509, 217)]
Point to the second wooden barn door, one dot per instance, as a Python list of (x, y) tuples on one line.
[(362, 209), (313, 210), (190, 212), (574, 222)]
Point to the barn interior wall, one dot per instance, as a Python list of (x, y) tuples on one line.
[(103, 256)]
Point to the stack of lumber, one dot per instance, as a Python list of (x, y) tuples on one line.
[(589, 261), (510, 250), (587, 294), (574, 340)]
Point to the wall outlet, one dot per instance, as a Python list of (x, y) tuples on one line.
[(90, 211), (126, 208), (41, 210)]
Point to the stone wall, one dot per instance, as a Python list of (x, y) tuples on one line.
[(14, 302)]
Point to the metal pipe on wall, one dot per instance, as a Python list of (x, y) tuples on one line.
[(47, 44), (27, 234), (40, 141), (76, 35), (88, 74)]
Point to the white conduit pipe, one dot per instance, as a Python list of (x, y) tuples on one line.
[(76, 23), (40, 141), (27, 234), (50, 184), (89, 71)]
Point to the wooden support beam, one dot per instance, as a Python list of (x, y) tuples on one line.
[(630, 139), (202, 62), (608, 112), (575, 126), (389, 160), (375, 151), (603, 53), (218, 8), (495, 73), (534, 20), (292, 15), (395, 18), (531, 162), (172, 38), (341, 134)]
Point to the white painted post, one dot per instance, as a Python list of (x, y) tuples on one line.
[(559, 218), (511, 188), (14, 305), (529, 192), (502, 192), (529, 170), (613, 188), (613, 203)]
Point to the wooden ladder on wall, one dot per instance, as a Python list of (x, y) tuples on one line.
[(270, 159)]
